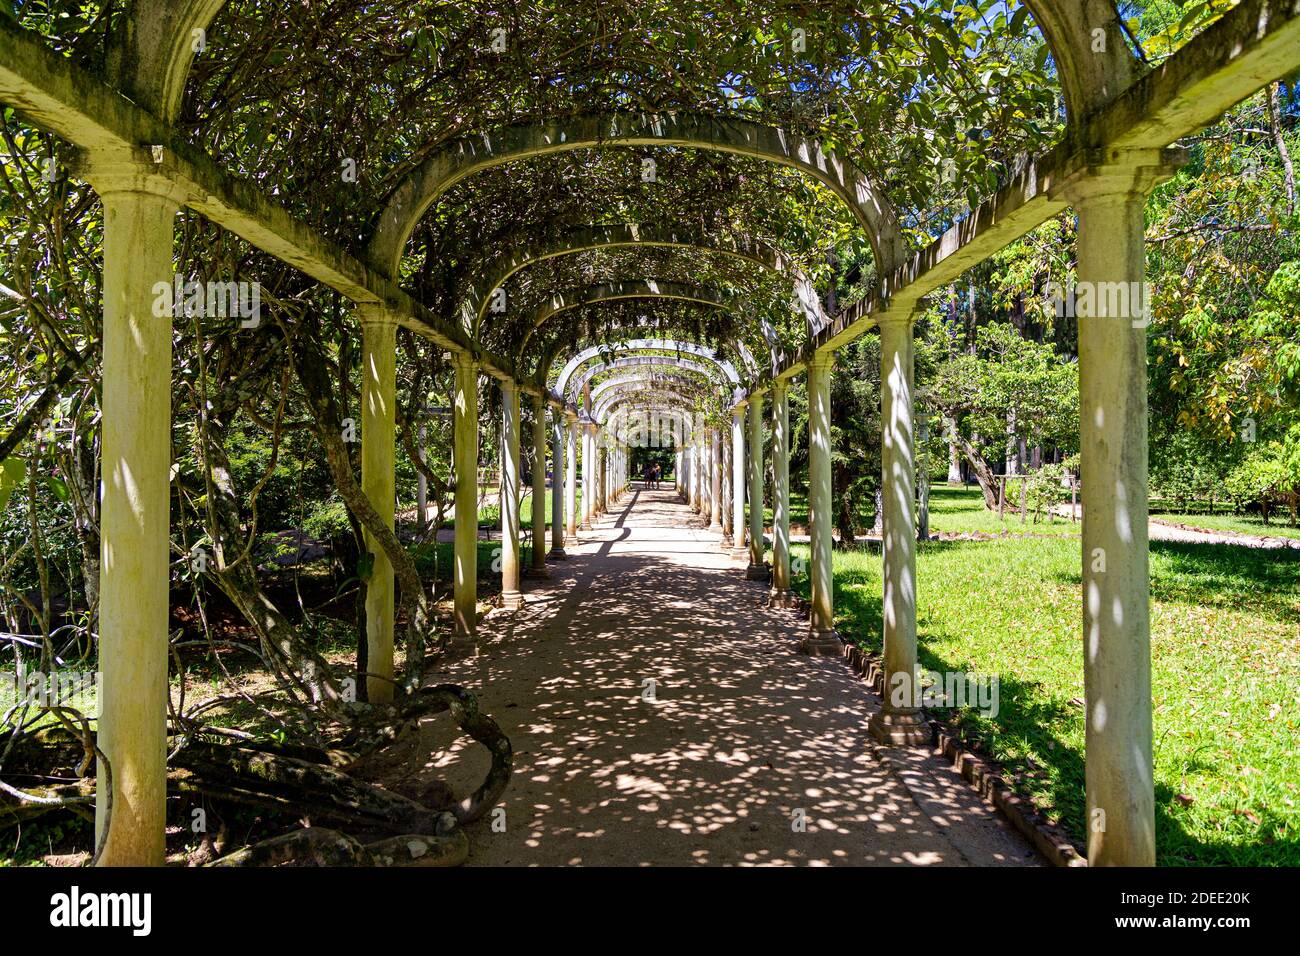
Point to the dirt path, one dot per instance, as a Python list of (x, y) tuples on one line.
[(742, 731), (1160, 530)]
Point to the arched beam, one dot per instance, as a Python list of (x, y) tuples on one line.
[(667, 380), (683, 422), (646, 345), (152, 49), (1088, 43), (476, 301), (706, 296), (601, 409), (151, 53), (470, 154), (641, 361), (640, 288)]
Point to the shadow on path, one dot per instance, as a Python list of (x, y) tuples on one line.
[(661, 716)]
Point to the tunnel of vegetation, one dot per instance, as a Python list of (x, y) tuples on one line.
[(689, 200)]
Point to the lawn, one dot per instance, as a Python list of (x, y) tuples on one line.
[(1225, 654), (961, 510)]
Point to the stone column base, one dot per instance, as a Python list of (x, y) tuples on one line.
[(777, 598), (823, 644), (557, 554), (757, 572), (538, 572), (512, 600), (585, 526), (899, 730), (726, 543), (739, 553)]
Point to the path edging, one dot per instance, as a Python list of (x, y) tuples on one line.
[(984, 775)]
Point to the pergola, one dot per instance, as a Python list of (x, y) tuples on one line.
[(1121, 119)]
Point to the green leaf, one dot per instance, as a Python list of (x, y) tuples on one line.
[(1018, 19), (59, 487), (12, 472)]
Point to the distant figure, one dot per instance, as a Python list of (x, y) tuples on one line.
[(655, 475), (649, 475)]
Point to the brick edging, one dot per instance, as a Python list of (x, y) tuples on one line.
[(982, 774)]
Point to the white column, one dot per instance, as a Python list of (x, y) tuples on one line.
[(738, 475), (602, 462), (511, 596), (900, 720), (715, 480), (821, 638), (588, 474), (779, 596), (559, 485), (378, 426), (571, 477), (1113, 465), (724, 496), (757, 570), (539, 487), (139, 215), (465, 515), (704, 459)]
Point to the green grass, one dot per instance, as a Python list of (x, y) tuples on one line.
[(798, 509), (961, 510), (1225, 628)]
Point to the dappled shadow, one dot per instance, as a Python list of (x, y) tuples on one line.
[(660, 715)]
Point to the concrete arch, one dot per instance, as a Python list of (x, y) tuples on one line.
[(642, 361), (647, 345), (475, 303), (640, 288), (550, 354), (602, 407), (151, 53), (157, 33), (1093, 68), (682, 423), (614, 291), (470, 154), (678, 383), (152, 50)]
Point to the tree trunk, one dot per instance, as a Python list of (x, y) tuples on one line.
[(954, 451), (310, 367), (983, 473)]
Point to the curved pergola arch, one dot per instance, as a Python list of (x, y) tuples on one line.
[(154, 64), (602, 407), (684, 422), (614, 291), (645, 345), (474, 304), (151, 58), (468, 155), (668, 380), (639, 361), (630, 403)]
